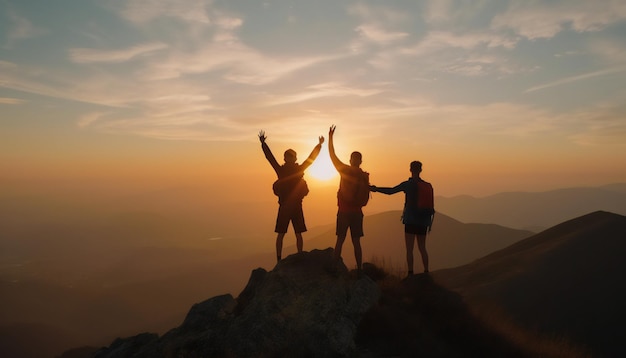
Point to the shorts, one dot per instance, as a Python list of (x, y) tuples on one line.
[(290, 213), (415, 229), (354, 221)]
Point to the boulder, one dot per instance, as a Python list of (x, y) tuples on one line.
[(308, 305)]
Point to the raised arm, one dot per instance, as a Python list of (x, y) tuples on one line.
[(331, 150), (268, 153), (313, 155)]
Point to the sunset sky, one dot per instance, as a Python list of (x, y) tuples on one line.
[(490, 95)]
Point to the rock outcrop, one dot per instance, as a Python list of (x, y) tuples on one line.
[(308, 305)]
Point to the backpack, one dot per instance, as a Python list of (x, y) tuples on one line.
[(357, 191), (425, 197), (422, 213), (296, 188), (290, 184)]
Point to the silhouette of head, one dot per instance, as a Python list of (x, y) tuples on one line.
[(356, 159), (416, 167), (290, 156)]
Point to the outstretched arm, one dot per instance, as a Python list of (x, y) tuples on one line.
[(313, 155), (389, 191), (268, 153), (331, 150)]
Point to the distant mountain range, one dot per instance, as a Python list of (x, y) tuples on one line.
[(535, 211), (566, 281)]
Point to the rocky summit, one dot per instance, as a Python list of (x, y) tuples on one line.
[(309, 305)]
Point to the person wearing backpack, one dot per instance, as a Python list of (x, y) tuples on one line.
[(352, 195), (418, 214), (291, 188)]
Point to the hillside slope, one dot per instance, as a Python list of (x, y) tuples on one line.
[(567, 280)]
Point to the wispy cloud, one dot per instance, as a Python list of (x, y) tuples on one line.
[(601, 125), (20, 28), (89, 119), (378, 35), (8, 100), (378, 14), (379, 25), (577, 78), (141, 11), (536, 19), (439, 11), (442, 40), (610, 50), (334, 90), (88, 55)]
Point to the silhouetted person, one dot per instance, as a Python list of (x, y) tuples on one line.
[(290, 189), (350, 206), (417, 219)]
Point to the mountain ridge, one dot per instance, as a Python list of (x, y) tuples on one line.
[(566, 280)]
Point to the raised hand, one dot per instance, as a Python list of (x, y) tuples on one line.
[(262, 136), (331, 131), (321, 140)]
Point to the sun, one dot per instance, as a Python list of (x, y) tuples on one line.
[(322, 169)]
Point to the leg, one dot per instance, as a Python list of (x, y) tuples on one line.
[(341, 232), (299, 241), (279, 245), (409, 241), (358, 254), (356, 231), (338, 246), (421, 245), (297, 220), (282, 223)]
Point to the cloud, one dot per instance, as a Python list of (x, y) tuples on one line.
[(89, 118), (442, 40), (612, 51), (20, 28), (438, 11), (322, 90), (258, 70), (602, 135), (87, 55), (536, 19), (7, 100), (378, 14), (376, 34), (101, 88), (210, 47), (602, 124), (378, 24), (577, 78), (457, 14), (234, 60), (467, 54), (195, 128), (143, 11)]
